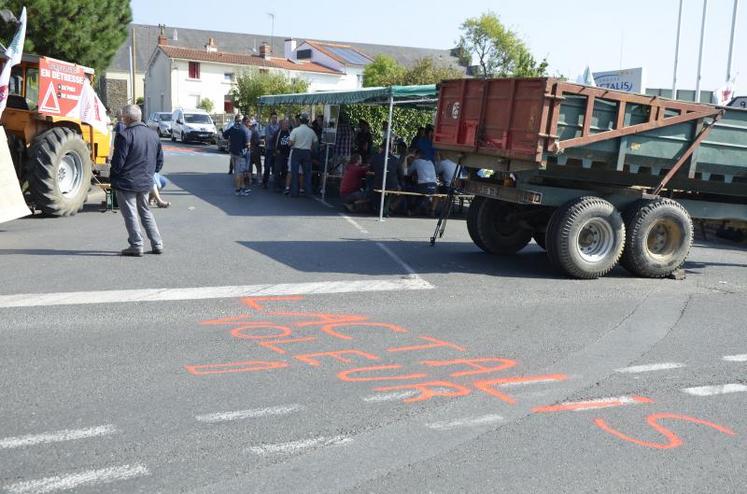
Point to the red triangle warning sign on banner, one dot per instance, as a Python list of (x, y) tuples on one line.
[(46, 107)]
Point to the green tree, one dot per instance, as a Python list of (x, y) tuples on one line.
[(383, 71), (86, 32), (386, 71), (499, 51), (252, 84), (427, 71), (206, 104)]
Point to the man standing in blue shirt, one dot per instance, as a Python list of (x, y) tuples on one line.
[(238, 142), (425, 144), (270, 131)]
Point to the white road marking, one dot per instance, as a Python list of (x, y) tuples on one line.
[(718, 389), (294, 446), (650, 367), (390, 396), (212, 418), (398, 260), (56, 437), (736, 358), (532, 381), (210, 292), (469, 422), (66, 482), (354, 223)]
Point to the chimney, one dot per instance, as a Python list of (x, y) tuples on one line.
[(211, 47), (290, 49), (265, 50), (162, 39), (175, 36)]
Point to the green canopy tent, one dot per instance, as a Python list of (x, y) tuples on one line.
[(424, 96)]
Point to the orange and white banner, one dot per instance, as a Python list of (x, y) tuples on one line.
[(66, 91)]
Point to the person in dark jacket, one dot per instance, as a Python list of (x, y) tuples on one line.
[(238, 145), (137, 157)]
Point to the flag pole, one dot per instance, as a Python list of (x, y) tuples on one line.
[(677, 52), (700, 51), (731, 41)]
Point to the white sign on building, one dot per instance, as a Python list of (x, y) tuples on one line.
[(628, 80)]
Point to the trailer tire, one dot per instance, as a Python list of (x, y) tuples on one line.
[(586, 238), (660, 235), (59, 172), (472, 213), (497, 232)]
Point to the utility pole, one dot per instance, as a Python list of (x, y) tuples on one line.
[(272, 31), (677, 52), (731, 41), (133, 62), (700, 51)]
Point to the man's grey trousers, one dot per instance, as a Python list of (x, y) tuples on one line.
[(132, 205)]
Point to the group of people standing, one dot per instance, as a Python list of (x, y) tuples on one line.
[(288, 153)]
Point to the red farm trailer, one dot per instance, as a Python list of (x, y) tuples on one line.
[(595, 176)]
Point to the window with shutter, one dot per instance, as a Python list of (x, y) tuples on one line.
[(194, 70)]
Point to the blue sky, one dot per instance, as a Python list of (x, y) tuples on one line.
[(571, 33)]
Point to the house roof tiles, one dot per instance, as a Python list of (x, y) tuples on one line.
[(242, 59)]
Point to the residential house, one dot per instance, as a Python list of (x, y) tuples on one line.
[(183, 77), (115, 84)]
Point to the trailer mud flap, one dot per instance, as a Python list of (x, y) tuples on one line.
[(507, 194), (12, 205)]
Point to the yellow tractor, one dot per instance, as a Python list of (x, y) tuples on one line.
[(54, 154)]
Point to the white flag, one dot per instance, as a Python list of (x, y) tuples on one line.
[(724, 94), (91, 110), (587, 78), (13, 54)]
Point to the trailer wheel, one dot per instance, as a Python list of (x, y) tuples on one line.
[(660, 234), (472, 213), (498, 230), (59, 172), (586, 237)]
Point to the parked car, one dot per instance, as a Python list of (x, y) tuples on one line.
[(192, 125), (223, 143), (220, 141), (160, 121)]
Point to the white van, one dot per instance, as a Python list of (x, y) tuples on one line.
[(192, 125)]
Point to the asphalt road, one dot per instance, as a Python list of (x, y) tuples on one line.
[(279, 345)]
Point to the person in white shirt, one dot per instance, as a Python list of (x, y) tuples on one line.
[(425, 172), (302, 139), (446, 169)]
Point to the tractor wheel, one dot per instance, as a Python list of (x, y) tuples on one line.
[(498, 229), (586, 237), (660, 234), (59, 172)]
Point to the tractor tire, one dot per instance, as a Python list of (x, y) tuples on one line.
[(660, 234), (472, 212), (59, 171), (586, 237), (498, 233)]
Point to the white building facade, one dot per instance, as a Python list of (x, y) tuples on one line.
[(183, 77)]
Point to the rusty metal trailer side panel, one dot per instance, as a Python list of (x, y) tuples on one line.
[(557, 129)]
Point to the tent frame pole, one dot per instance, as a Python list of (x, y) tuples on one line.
[(386, 157)]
